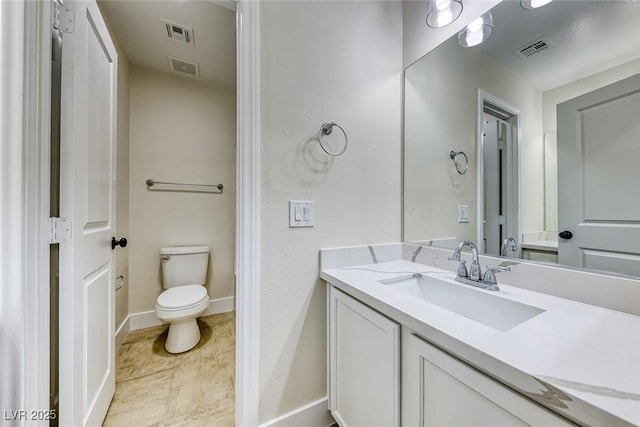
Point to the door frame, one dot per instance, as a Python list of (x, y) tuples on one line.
[(32, 215), (35, 206), (248, 214), (513, 204)]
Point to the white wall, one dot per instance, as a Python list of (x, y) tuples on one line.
[(180, 131), (321, 61), (441, 95)]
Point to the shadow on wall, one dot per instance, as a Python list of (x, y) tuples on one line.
[(311, 163), (457, 180)]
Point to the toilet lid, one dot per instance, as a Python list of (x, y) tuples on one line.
[(182, 297)]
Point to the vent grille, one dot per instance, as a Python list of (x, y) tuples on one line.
[(184, 67), (178, 32), (534, 47)]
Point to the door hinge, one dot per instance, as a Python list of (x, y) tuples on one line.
[(63, 18), (59, 230)]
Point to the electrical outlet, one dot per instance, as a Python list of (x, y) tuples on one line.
[(463, 213)]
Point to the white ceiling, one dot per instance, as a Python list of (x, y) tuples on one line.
[(589, 36), (138, 27)]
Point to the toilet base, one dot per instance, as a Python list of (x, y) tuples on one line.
[(183, 336)]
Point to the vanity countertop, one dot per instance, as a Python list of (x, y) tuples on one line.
[(542, 245), (580, 360)]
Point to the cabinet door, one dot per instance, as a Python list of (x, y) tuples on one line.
[(441, 391), (364, 364)]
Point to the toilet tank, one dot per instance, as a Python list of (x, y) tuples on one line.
[(184, 265)]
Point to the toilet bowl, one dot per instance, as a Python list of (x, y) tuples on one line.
[(184, 272)]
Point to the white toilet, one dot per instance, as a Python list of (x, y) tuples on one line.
[(184, 272)]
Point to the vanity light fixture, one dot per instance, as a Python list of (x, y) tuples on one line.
[(477, 31), (443, 12), (534, 4)]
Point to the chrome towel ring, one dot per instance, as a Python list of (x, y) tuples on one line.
[(454, 156), (327, 129)]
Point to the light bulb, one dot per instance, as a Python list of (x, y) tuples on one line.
[(445, 17), (534, 4), (443, 12), (477, 31)]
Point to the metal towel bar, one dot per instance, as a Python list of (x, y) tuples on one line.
[(151, 183)]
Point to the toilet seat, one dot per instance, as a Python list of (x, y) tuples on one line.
[(182, 303), (182, 298)]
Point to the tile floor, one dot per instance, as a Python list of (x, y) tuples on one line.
[(160, 389)]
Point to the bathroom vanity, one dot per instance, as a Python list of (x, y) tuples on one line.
[(410, 346)]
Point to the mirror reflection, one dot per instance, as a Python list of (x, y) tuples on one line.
[(529, 143)]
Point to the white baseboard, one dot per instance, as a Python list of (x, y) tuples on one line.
[(314, 414), (122, 332), (148, 319)]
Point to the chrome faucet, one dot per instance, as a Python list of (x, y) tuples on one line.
[(474, 276), (475, 272), (509, 242)]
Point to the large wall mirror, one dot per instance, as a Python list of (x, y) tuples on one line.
[(529, 143)]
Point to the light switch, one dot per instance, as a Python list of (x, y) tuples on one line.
[(463, 213), (301, 214)]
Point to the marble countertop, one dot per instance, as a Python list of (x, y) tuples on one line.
[(577, 359), (542, 245)]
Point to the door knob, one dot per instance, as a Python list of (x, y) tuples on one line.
[(122, 242), (565, 235)]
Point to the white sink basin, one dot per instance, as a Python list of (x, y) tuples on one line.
[(481, 306)]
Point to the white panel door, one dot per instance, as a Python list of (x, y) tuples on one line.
[(599, 178), (87, 292)]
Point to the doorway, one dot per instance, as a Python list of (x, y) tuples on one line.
[(182, 131), (498, 176), (33, 365), (174, 128)]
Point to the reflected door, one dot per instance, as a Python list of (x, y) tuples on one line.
[(599, 179), (494, 176)]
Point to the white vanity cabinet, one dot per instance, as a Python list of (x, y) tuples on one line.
[(364, 364), (438, 390)]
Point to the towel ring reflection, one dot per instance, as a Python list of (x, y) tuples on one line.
[(454, 155), (326, 129)]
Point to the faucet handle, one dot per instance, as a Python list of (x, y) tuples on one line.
[(498, 269), (454, 257), (490, 274), (462, 269)]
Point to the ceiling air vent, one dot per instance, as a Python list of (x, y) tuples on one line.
[(184, 67), (178, 32), (534, 47)]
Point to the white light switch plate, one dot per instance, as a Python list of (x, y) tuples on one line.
[(463, 213), (301, 214)]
